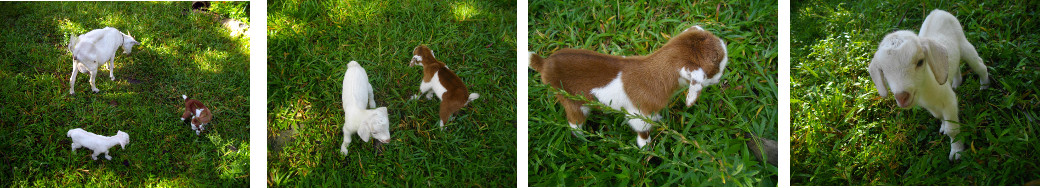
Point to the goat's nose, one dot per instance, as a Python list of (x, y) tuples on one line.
[(903, 99)]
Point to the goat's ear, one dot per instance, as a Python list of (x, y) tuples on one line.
[(365, 132), (937, 59), (878, 76)]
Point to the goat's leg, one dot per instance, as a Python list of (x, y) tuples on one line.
[(969, 55), (93, 87), (346, 141), (112, 68), (94, 155), (371, 99), (642, 128), (75, 146), (576, 114), (72, 80), (108, 156), (951, 127), (425, 88)]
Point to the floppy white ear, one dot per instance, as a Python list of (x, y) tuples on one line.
[(937, 58), (878, 77), (365, 132)]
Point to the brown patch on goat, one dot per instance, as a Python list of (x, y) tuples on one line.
[(648, 80), (456, 95)]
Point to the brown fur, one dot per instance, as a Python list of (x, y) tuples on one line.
[(456, 95), (579, 71), (190, 105)]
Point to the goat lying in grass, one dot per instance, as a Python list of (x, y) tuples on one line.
[(97, 47), (641, 85), (357, 92), (922, 70), (100, 144)]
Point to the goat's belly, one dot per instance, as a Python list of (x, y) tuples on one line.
[(81, 68), (613, 95)]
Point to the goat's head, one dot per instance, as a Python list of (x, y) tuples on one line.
[(905, 62), (710, 59), (128, 43), (377, 125), (123, 139), (419, 53)]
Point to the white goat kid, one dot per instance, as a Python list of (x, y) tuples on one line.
[(100, 144), (97, 47), (357, 92), (922, 70)]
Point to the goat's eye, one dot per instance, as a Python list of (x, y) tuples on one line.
[(920, 62)]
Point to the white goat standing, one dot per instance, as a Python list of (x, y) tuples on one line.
[(923, 70), (97, 47), (357, 92), (100, 144)]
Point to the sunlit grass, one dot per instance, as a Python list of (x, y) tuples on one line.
[(464, 10), (310, 43), (143, 101)]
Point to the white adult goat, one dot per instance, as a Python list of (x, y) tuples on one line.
[(97, 47)]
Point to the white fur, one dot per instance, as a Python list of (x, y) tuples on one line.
[(97, 47), (367, 123), (939, 49), (99, 144), (433, 87), (613, 95)]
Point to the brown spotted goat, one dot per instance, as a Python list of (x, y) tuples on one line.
[(200, 115), (439, 80), (640, 85)]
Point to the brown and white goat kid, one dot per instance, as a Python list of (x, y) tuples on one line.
[(200, 115), (640, 85), (439, 80)]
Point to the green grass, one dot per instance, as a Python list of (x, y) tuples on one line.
[(310, 44), (843, 133), (693, 146), (181, 53)]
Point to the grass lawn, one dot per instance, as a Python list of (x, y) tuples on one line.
[(694, 146), (844, 133), (181, 53), (310, 44)]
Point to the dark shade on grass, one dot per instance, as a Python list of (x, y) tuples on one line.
[(843, 133), (310, 44), (181, 53), (698, 146)]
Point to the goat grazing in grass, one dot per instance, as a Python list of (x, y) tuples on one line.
[(97, 47)]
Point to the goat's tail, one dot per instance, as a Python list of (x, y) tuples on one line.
[(353, 64), (185, 97), (536, 62)]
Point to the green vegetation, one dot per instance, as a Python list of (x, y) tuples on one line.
[(310, 44), (844, 133), (694, 146), (181, 53)]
